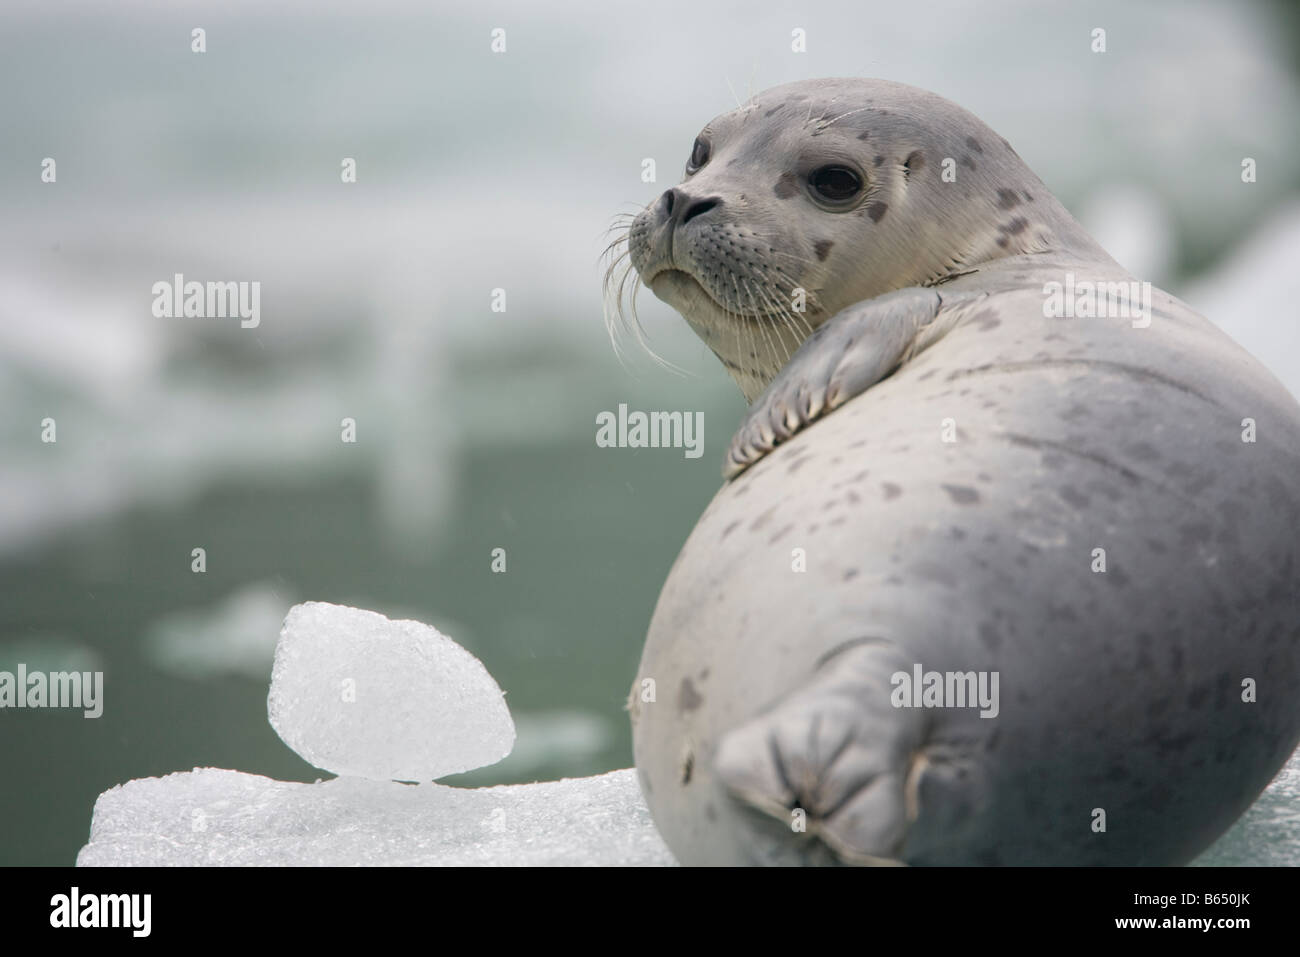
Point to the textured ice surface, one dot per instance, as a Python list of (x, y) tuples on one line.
[(214, 817), (357, 694)]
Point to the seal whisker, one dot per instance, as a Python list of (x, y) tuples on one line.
[(786, 255), (768, 316), (762, 327), (807, 328), (778, 313), (826, 124), (615, 292)]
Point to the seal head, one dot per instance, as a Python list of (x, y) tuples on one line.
[(820, 194)]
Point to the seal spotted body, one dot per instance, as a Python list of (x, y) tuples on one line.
[(1096, 513)]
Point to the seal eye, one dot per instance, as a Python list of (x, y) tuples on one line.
[(836, 183), (699, 156)]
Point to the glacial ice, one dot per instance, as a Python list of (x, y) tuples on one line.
[(213, 817), (378, 702), (357, 694)]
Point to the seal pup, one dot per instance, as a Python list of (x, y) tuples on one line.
[(1006, 568)]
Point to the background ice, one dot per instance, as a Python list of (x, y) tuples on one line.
[(357, 694), (213, 817), (235, 636)]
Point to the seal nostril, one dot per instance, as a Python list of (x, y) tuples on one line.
[(668, 201), (700, 208)]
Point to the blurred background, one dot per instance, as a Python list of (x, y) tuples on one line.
[(475, 428)]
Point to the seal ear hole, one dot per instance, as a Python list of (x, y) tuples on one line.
[(914, 162)]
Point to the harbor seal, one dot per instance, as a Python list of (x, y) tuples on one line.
[(1006, 568)]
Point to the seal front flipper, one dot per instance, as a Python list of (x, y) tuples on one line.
[(830, 774), (845, 356)]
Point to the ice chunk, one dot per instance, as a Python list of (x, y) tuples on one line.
[(214, 817), (357, 694)]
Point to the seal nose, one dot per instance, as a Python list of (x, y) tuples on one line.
[(678, 208)]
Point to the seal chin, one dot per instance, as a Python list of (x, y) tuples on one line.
[(687, 295)]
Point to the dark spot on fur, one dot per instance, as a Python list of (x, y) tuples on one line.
[(1157, 707), (865, 134), (877, 211), (986, 320), (774, 110), (1007, 198), (877, 161), (1143, 451), (688, 699), (780, 534), (823, 248), (962, 494), (1014, 227), (933, 572), (891, 490), (974, 144), (762, 519), (729, 529), (688, 765), (1002, 242), (786, 186), (1074, 497), (1063, 612), (967, 162), (850, 574)]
